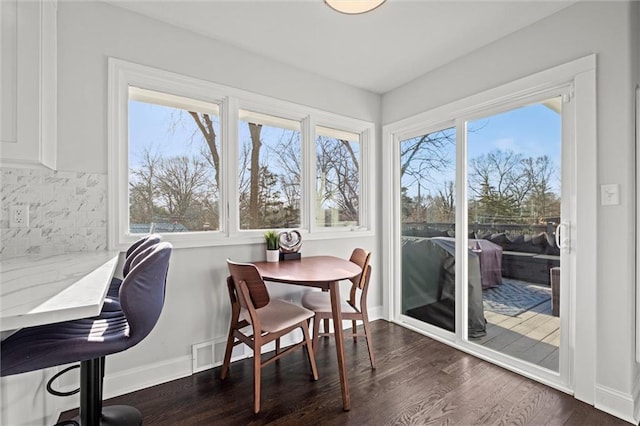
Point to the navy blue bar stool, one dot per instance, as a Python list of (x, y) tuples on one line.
[(89, 340), (132, 251)]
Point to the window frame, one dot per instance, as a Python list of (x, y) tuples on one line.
[(122, 74)]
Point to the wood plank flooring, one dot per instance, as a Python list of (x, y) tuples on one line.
[(418, 381), (532, 336)]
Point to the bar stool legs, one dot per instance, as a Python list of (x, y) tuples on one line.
[(91, 411)]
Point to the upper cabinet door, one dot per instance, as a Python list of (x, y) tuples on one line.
[(28, 82)]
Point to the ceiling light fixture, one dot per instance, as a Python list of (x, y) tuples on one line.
[(353, 7)]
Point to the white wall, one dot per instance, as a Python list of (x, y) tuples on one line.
[(197, 307), (634, 18), (604, 28)]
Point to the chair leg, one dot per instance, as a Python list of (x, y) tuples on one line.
[(103, 366), (316, 330), (91, 411), (310, 351), (367, 334), (354, 330), (257, 361), (90, 381), (227, 355), (326, 325)]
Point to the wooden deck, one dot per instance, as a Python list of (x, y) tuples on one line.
[(533, 336)]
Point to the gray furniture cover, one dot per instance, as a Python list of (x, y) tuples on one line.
[(428, 284)]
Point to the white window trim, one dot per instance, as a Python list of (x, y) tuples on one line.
[(581, 74), (122, 74)]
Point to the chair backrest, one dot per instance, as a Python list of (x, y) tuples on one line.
[(361, 258), (248, 273), (142, 292), (365, 284), (136, 248), (233, 298)]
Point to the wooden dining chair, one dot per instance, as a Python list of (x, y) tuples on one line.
[(269, 319), (353, 309)]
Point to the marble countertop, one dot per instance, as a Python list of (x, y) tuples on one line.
[(42, 289)]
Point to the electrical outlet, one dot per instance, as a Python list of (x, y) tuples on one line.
[(19, 216)]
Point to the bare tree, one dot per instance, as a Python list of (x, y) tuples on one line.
[(337, 174), (445, 202), (423, 157), (182, 183), (506, 186), (542, 202), (288, 159), (143, 188), (205, 124)]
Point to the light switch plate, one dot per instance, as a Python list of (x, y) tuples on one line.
[(610, 194)]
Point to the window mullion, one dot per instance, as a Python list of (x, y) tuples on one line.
[(309, 174), (461, 227), (229, 197), (366, 161)]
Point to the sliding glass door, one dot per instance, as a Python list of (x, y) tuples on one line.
[(513, 182), (506, 165), (428, 209)]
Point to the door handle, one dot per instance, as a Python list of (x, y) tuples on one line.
[(562, 236)]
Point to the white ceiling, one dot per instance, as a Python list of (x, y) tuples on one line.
[(377, 51)]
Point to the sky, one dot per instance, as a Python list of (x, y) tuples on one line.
[(162, 129), (173, 132), (531, 131)]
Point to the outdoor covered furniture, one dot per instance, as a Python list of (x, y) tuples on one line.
[(490, 257), (530, 267), (555, 290), (428, 284)]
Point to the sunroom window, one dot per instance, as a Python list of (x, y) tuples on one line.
[(269, 167), (174, 163), (337, 178), (206, 164)]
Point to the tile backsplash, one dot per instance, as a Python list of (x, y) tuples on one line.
[(67, 211)]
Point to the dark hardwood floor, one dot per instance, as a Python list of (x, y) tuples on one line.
[(418, 381)]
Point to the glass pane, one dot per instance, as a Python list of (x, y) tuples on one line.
[(269, 171), (428, 222), (514, 207), (173, 163), (337, 178)]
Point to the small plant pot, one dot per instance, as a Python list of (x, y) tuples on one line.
[(273, 255)]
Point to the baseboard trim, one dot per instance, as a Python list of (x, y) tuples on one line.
[(616, 403), (636, 399), (131, 380), (376, 313)]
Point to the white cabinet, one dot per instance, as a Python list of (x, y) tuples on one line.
[(28, 82)]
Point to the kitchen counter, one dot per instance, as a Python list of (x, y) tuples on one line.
[(43, 289)]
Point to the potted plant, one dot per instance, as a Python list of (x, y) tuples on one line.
[(272, 239)]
